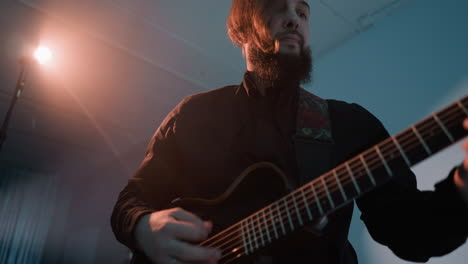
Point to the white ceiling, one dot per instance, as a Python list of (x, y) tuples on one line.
[(123, 64), (187, 37)]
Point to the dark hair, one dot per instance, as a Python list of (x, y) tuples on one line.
[(248, 23)]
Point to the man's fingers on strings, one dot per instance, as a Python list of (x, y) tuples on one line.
[(465, 145), (183, 215), (208, 226), (186, 231)]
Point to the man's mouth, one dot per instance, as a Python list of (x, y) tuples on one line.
[(291, 38)]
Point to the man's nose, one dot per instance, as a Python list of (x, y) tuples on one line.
[(291, 22)]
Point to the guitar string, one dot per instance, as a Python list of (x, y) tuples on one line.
[(300, 202), (261, 236)]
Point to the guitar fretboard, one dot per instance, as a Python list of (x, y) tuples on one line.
[(343, 184)]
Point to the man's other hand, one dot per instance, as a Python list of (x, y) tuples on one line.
[(461, 178)]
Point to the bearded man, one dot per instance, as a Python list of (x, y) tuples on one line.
[(205, 144)]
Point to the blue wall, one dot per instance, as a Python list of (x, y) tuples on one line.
[(409, 64)]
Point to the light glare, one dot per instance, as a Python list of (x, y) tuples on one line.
[(43, 54)]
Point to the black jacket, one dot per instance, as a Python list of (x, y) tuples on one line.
[(208, 139)]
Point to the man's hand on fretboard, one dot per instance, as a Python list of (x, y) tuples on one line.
[(461, 174)]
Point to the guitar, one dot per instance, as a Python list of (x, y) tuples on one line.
[(281, 211)]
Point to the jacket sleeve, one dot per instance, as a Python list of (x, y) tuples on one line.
[(149, 188), (416, 225)]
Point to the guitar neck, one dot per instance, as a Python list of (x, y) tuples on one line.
[(345, 182), (373, 167)]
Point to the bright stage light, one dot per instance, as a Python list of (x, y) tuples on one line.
[(43, 54)]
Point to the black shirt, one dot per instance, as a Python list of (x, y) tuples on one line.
[(209, 138)]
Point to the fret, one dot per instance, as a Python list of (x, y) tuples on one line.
[(352, 178), (291, 224), (328, 193), (447, 133), (254, 233), (387, 168), (299, 216), (462, 107), (411, 146), (244, 240), (333, 190), (322, 195), (368, 170), (421, 140), (275, 231), (249, 238), (317, 199), (309, 213), (339, 185), (265, 223), (433, 134), (280, 219), (259, 224), (403, 154), (347, 183)]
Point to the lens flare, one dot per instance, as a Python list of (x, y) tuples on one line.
[(43, 55)]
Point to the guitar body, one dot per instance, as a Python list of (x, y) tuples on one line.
[(257, 186)]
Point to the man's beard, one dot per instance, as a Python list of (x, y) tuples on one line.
[(282, 69)]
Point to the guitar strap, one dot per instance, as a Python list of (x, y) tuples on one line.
[(313, 140)]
